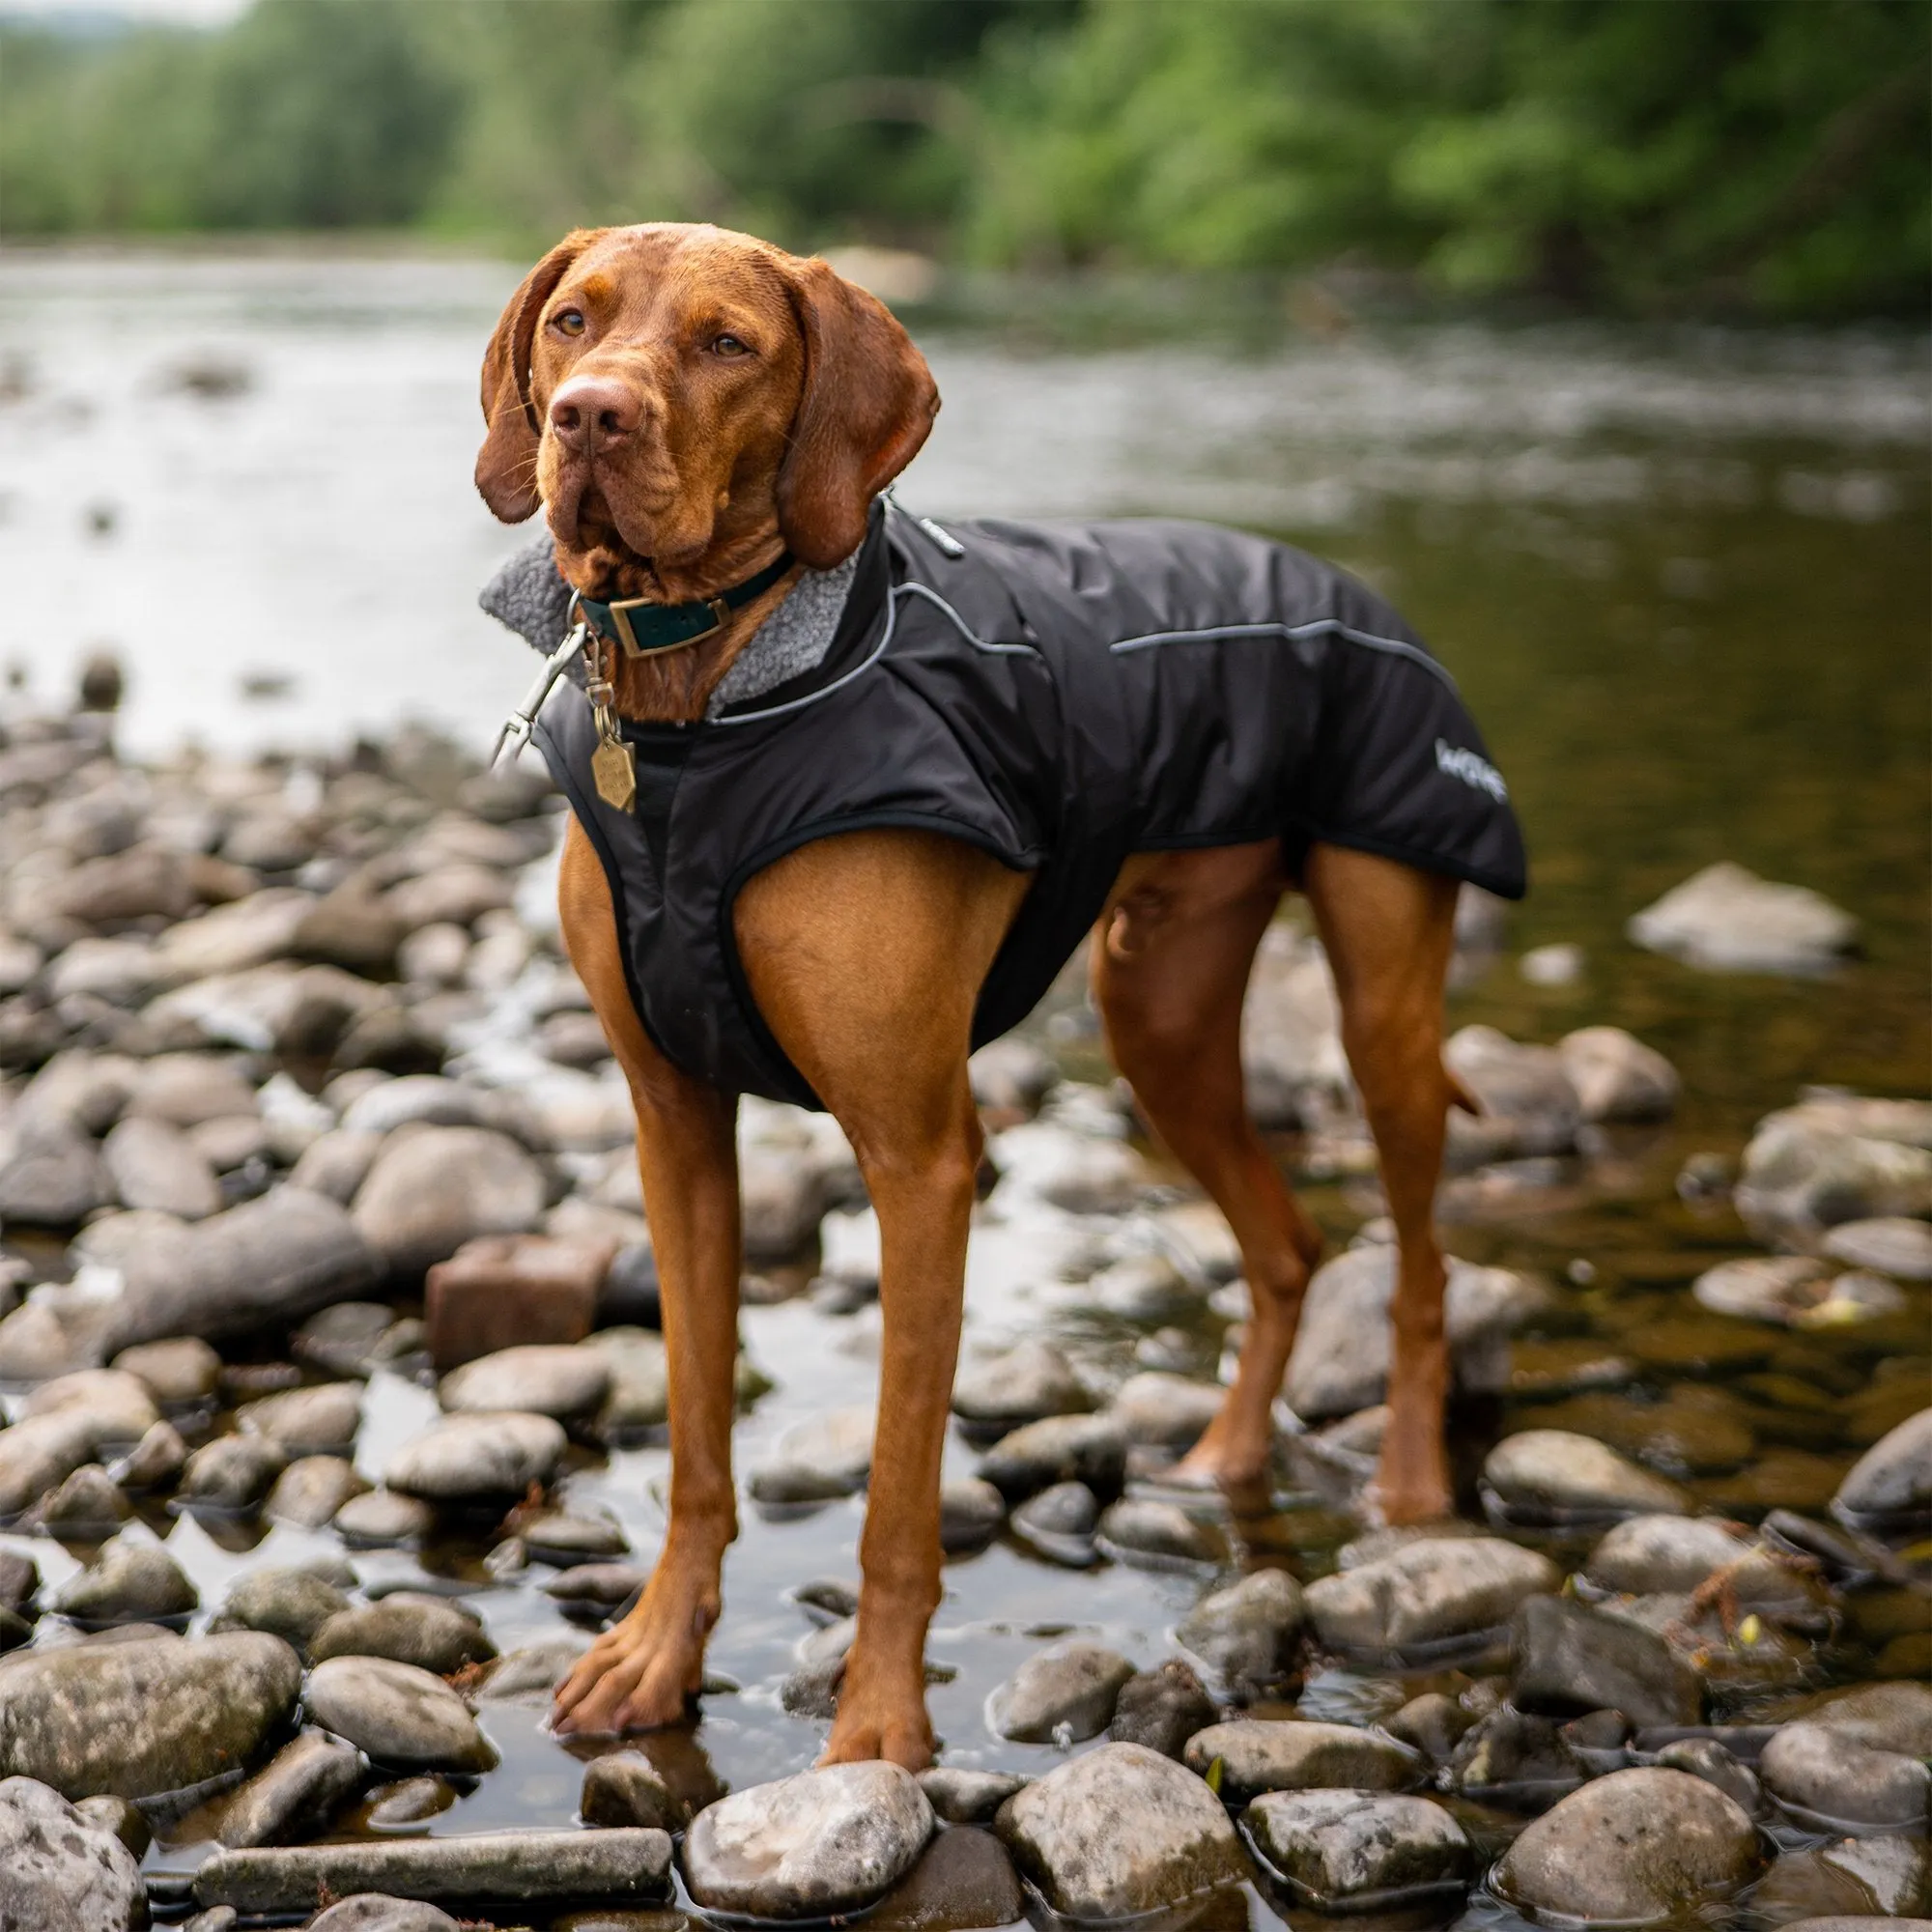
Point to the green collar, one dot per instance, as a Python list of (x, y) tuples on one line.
[(645, 628)]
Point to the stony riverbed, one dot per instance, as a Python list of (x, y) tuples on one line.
[(281, 1606)]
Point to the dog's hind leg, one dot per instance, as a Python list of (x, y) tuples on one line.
[(1389, 930), (1171, 960)]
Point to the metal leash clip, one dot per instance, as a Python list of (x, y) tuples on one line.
[(517, 726)]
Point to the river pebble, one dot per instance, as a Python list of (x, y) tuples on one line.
[(1842, 1783), (60, 1869), (1068, 1691), (432, 1189), (1247, 1635), (294, 1795), (1161, 1709), (403, 1717), (1088, 1449), (971, 1513), (626, 1788), (320, 1421), (968, 1797), (1727, 919), (1555, 1475), (1258, 1754), (477, 1455), (1891, 1482), (1427, 1592), (1164, 1411), (290, 1604), (564, 1382), (130, 1582), (312, 1488), (409, 1626), (1338, 1849), (87, 1506), (1616, 1076), (1016, 1385), (818, 1844), (1566, 1658), (180, 1373), (378, 1912), (1145, 1529), (117, 1404), (231, 1475), (1890, 1245), (1059, 1524)]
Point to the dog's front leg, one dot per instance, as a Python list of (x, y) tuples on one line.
[(643, 1672)]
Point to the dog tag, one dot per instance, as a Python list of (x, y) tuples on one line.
[(617, 775)]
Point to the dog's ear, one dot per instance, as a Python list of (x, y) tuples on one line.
[(868, 404), (507, 465)]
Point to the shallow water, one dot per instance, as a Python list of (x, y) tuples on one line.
[(1680, 578)]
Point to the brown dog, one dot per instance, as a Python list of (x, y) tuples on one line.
[(686, 404)]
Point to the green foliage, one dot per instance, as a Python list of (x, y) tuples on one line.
[(1767, 154)]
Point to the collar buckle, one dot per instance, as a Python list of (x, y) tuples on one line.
[(627, 636)]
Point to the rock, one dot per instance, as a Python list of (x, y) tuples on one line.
[(1842, 1783), (1432, 1724), (639, 1398), (379, 1912), (971, 1513), (1764, 1288), (1727, 919), (1815, 1165), (1340, 1361), (117, 1404), (1067, 1690), (1885, 1716), (1144, 1529), (1649, 1555), (432, 1189), (1142, 1287), (312, 1488), (626, 1788), (1010, 1075), (1260, 1755), (781, 1198), (404, 1718), (564, 1539), (1019, 1384), (39, 1454), (383, 1518), (564, 1382), (477, 1455), (295, 1794), (60, 1871), (128, 1582), (410, 1800), (292, 1604), (534, 1669), (1708, 1759), (230, 1475), (1616, 1076), (963, 1879), (87, 1506), (318, 1421), (1528, 1105), (180, 1373), (1161, 1709), (188, 1089), (1516, 1762), (408, 1627), (1631, 1846), (1165, 1411), (269, 1262), (1247, 1635), (1335, 1849), (123, 1818), (53, 1180), (1427, 1592), (19, 1579), (819, 1844), (1891, 1482), (1118, 1832), (337, 1163), (1890, 1244), (1551, 1475), (152, 1164), (1074, 1171), (1084, 1449), (487, 1868), (968, 1797), (137, 1719), (1059, 1525), (1566, 1658)]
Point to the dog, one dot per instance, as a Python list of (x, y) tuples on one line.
[(848, 788)]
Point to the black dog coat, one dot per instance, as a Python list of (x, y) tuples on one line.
[(1060, 696)]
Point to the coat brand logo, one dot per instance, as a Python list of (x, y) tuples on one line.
[(1473, 771)]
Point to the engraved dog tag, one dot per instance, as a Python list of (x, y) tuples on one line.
[(617, 775)]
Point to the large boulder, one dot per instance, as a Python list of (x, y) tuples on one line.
[(1727, 919), (433, 1188), (137, 1719), (59, 1870)]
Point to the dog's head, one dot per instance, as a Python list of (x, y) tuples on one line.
[(669, 394)]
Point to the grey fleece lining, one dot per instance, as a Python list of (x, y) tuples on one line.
[(529, 597)]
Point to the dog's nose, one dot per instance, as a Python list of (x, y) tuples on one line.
[(590, 411)]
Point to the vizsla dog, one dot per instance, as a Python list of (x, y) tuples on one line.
[(708, 423)]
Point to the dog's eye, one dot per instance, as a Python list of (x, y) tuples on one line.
[(568, 320), (728, 346)]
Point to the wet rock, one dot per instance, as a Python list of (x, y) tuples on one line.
[(1727, 919), (563, 1538), (1118, 1832), (493, 1867), (117, 1403), (822, 1844), (435, 1188), (1647, 1554), (337, 1163), (1142, 1287), (1616, 1076), (379, 1912), (294, 1795), (403, 1717), (1011, 1075), (152, 1164), (1818, 1164), (137, 1718), (1059, 1525), (1340, 1362), (1890, 1244), (59, 1870), (828, 1456), (19, 1579), (1068, 1691), (188, 1089), (626, 1788), (383, 1519), (1074, 1172), (1336, 1849), (596, 1590), (318, 1421), (1891, 1482), (410, 1800), (180, 1373), (312, 1488), (1566, 1658), (477, 1455), (1708, 1759), (1764, 1288), (1516, 1762), (409, 1626), (38, 1341), (292, 1604), (1248, 1633), (639, 1398), (1834, 1778), (1161, 1709), (1018, 1385), (53, 1180), (1631, 1846), (230, 1475), (1166, 1412), (39, 1454), (963, 1879), (1880, 1872), (1893, 1717), (1552, 1475), (968, 1797), (269, 1262), (87, 1505), (1084, 1449), (1260, 1755), (1529, 1107), (564, 1382), (532, 1671), (971, 1513), (1144, 1529), (123, 1818), (1427, 1592), (128, 1582), (1432, 1724)]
